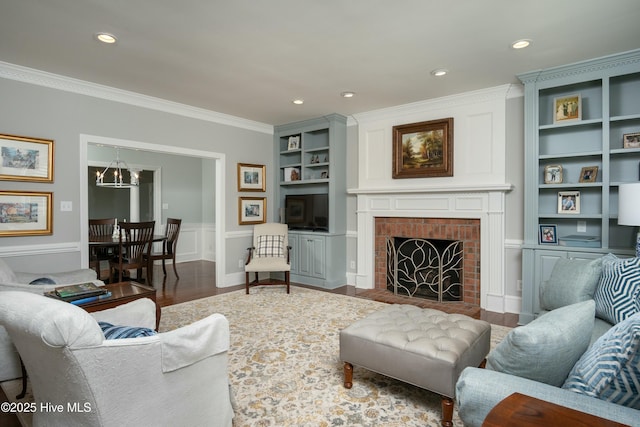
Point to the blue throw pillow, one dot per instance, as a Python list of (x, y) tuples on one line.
[(618, 293), (112, 332), (610, 369), (42, 281)]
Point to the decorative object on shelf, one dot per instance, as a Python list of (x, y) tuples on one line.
[(25, 213), (629, 208), (251, 177), (553, 174), (589, 174), (569, 202), (567, 108), (324, 175), (26, 159), (294, 143), (291, 174), (548, 234), (631, 140), (580, 240), (423, 150), (252, 210), (118, 182)]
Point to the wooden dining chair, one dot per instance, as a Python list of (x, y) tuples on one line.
[(100, 227), (135, 240), (171, 233)]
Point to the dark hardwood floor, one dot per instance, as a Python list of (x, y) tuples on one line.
[(197, 280)]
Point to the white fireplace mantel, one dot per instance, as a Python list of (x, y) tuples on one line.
[(483, 202)]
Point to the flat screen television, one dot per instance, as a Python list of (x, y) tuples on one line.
[(307, 212)]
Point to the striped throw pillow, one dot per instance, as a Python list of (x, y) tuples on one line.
[(113, 332), (270, 246)]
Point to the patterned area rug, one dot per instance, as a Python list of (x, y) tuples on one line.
[(284, 365)]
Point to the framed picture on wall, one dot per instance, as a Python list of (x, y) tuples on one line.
[(252, 210), (251, 177), (26, 159), (423, 150), (25, 213), (548, 234)]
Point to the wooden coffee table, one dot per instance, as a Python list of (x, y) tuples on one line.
[(122, 293), (526, 411)]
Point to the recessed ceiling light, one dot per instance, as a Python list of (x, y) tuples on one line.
[(106, 38), (348, 94), (439, 72), (298, 101), (520, 44)]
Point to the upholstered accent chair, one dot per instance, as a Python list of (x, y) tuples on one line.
[(269, 254), (173, 378)]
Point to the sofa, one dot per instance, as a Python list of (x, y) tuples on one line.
[(34, 283), (582, 351)]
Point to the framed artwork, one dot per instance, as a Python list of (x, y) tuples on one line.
[(26, 159), (251, 177), (631, 140), (25, 213), (548, 234), (291, 174), (569, 202), (567, 108), (553, 174), (423, 150), (589, 174), (252, 210), (294, 143)]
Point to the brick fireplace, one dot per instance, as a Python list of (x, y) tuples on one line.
[(465, 230)]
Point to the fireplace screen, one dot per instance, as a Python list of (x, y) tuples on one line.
[(425, 268)]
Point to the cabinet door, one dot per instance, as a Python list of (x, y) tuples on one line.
[(311, 261), (294, 253)]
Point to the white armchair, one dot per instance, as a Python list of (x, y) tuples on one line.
[(173, 378)]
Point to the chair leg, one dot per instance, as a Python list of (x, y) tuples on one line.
[(175, 270), (287, 279), (164, 267), (246, 281)]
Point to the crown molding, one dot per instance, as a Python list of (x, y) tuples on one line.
[(68, 84)]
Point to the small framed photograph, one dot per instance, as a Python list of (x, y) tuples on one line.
[(252, 210), (294, 143), (631, 140), (589, 174), (548, 234), (567, 108), (26, 159), (569, 202), (25, 213), (291, 174), (553, 174), (251, 177)]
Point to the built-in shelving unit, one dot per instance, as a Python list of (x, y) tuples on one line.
[(311, 158), (609, 92)]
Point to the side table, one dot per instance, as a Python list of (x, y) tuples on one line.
[(526, 411)]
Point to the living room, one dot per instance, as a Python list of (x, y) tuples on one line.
[(79, 114)]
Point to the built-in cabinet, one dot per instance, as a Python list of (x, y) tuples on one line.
[(576, 118), (311, 159)]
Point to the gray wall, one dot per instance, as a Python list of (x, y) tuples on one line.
[(43, 112)]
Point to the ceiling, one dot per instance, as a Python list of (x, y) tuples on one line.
[(250, 58)]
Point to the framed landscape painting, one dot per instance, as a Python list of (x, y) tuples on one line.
[(26, 159), (25, 213), (251, 177), (423, 150), (252, 210)]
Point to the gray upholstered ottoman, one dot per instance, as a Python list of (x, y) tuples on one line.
[(424, 347)]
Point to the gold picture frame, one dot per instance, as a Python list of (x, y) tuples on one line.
[(423, 150), (567, 108), (26, 213), (251, 177), (26, 159), (553, 174), (252, 210), (589, 174)]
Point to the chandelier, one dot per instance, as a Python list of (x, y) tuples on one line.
[(117, 166)]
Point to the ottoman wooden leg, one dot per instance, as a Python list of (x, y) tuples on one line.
[(447, 412), (348, 375)]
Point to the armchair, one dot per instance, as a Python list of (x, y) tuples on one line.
[(269, 253), (173, 378)]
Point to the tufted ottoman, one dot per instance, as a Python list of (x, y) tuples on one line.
[(424, 347)]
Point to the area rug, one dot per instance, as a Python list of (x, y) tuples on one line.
[(284, 366)]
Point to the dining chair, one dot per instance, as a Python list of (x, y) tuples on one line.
[(134, 244), (269, 253), (100, 227), (172, 231)]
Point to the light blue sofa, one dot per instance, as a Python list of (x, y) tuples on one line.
[(564, 330)]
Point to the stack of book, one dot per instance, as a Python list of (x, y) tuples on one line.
[(79, 294)]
